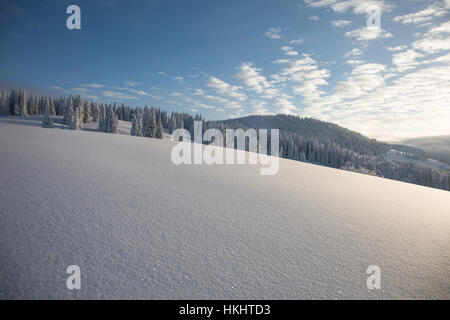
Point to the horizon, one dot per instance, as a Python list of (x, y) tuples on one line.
[(306, 58)]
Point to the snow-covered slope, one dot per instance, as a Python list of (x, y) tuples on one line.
[(140, 227)]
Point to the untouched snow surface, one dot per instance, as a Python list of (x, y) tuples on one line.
[(140, 227)]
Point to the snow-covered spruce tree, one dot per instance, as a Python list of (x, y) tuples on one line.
[(30, 106), (102, 118), (75, 125), (95, 112), (139, 124), (52, 107), (68, 111), (180, 124), (145, 119), (148, 123), (87, 112), (4, 108), (14, 103), (23, 110), (78, 104), (134, 121), (112, 121), (159, 128), (46, 120), (172, 124)]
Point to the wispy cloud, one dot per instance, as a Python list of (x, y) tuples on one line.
[(250, 76), (132, 83), (368, 33), (434, 10), (116, 95), (340, 23), (226, 89), (296, 41), (273, 33), (138, 92), (93, 85), (357, 6)]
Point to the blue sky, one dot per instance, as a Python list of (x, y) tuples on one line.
[(234, 58)]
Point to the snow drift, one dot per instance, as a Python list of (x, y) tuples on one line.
[(141, 227)]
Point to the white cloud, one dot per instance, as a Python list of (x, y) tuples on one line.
[(161, 73), (78, 89), (250, 76), (358, 6), (314, 18), (298, 41), (289, 51), (285, 106), (179, 79), (356, 52), (132, 83), (93, 85), (433, 11), (414, 104), (368, 33), (273, 33), (340, 23), (435, 40), (363, 79), (138, 92), (117, 95), (406, 60), (199, 92), (398, 48), (292, 53), (226, 89), (176, 94), (355, 62), (204, 106), (217, 99), (306, 72)]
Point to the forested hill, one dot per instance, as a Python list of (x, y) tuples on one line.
[(308, 128)]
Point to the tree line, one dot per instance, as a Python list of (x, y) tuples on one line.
[(301, 139)]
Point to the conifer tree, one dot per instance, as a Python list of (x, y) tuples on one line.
[(75, 125), (78, 104), (134, 120), (68, 112), (23, 110), (46, 120), (14, 102), (148, 123), (159, 128), (112, 121), (4, 108), (102, 118), (52, 107), (95, 112), (180, 124), (172, 124), (87, 112)]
